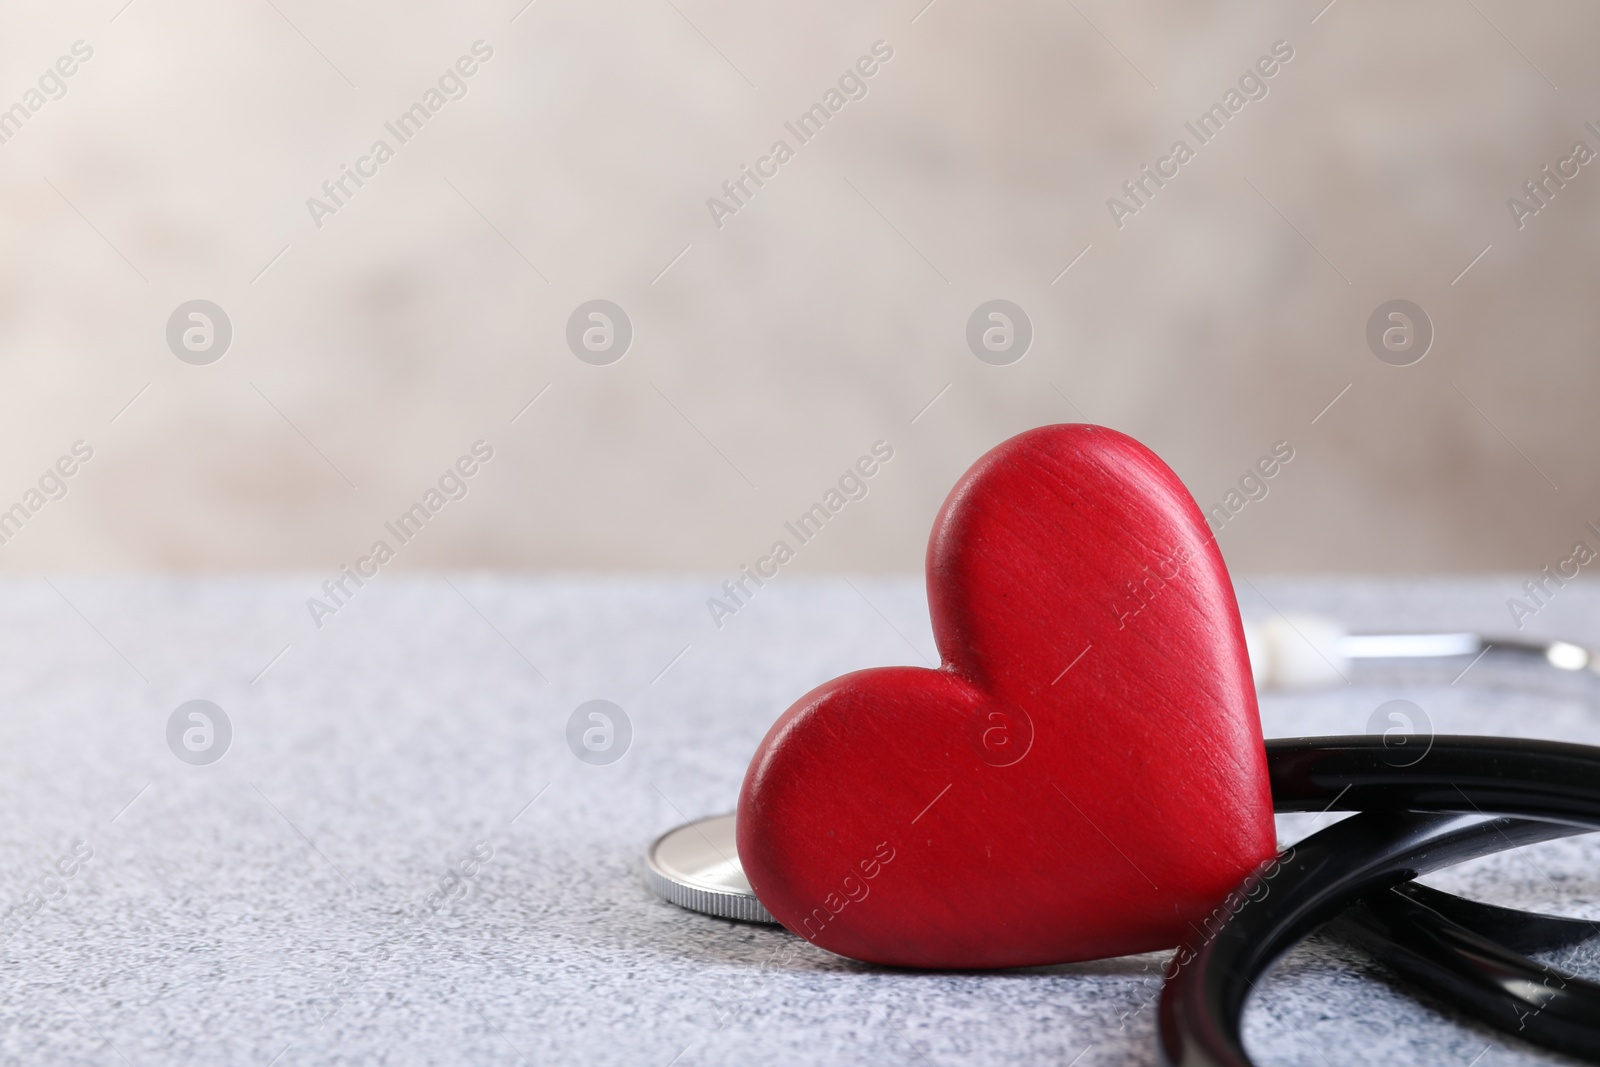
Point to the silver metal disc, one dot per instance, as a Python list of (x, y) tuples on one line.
[(697, 867)]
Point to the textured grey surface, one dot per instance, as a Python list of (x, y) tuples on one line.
[(268, 905)]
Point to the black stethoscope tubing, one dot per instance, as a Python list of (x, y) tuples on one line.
[(1482, 969), (1468, 797)]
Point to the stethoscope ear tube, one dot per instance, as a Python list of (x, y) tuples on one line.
[(1479, 972), (1469, 797), (1519, 931), (1549, 780)]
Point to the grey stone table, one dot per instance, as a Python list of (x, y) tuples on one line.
[(399, 859)]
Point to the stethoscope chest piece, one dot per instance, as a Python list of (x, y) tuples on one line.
[(696, 866)]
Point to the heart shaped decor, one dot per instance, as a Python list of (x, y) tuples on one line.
[(1082, 777)]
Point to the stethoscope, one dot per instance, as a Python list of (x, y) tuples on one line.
[(1471, 797), (1300, 651)]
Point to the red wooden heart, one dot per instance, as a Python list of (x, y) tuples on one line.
[(1083, 776)]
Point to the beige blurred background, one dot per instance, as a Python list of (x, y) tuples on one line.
[(768, 354)]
